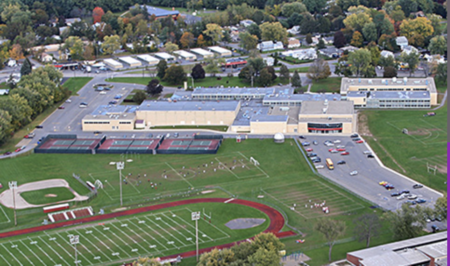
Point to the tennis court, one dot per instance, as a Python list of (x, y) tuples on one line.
[(64, 142), (67, 144), (180, 142), (142, 142), (201, 143), (83, 142), (121, 142)]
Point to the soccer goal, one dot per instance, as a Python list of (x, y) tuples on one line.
[(253, 161), (98, 184), (431, 168)]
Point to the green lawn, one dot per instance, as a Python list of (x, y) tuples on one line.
[(216, 128), (327, 85), (282, 177), (206, 82), (299, 69), (441, 86), (75, 84), (424, 144), (49, 195)]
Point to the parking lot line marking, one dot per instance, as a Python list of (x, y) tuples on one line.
[(7, 250)]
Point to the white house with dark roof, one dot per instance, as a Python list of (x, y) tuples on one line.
[(386, 54), (402, 42)]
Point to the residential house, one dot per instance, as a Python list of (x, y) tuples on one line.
[(328, 40), (331, 52), (270, 46), (269, 61), (46, 58), (409, 49), (4, 91), (70, 21), (294, 30), (401, 41), (301, 54), (349, 48), (437, 58), (386, 54), (293, 43), (246, 23)]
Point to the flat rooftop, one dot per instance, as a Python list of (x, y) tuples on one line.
[(347, 83), (184, 54), (158, 12), (289, 97), (327, 108), (112, 62), (188, 106), (129, 60), (390, 94), (219, 49), (202, 52), (242, 91), (114, 109)]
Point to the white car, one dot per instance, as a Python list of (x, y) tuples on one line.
[(68, 101), (412, 196), (103, 92), (367, 152), (319, 166), (337, 141), (329, 144), (402, 196), (353, 173), (340, 146)]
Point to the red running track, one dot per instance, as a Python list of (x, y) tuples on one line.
[(275, 226)]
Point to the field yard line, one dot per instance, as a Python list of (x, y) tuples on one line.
[(189, 183), (189, 232), (43, 251), (406, 134), (56, 241), (157, 225), (5, 216), (255, 165), (434, 126), (32, 252), (282, 203), (113, 241), (218, 229), (54, 251), (220, 163), (98, 249), (132, 185), (7, 250), (259, 175), (6, 260), (151, 237), (135, 242), (171, 227)]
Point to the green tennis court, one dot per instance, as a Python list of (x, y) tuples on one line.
[(142, 142), (180, 142), (201, 143), (117, 148), (83, 142), (122, 142), (63, 142)]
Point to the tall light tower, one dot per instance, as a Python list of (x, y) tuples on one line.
[(196, 217), (120, 166), (74, 240), (13, 187)]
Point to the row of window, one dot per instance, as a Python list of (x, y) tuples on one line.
[(330, 125), (405, 101), (96, 122), (393, 89), (125, 123), (405, 106)]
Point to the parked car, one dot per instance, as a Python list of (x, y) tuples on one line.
[(305, 144), (389, 186), (354, 136), (435, 228), (30, 136), (315, 142), (7, 153), (367, 152), (316, 160), (319, 166), (370, 156), (333, 150), (61, 107), (356, 139), (336, 141), (353, 173), (395, 194), (39, 126), (113, 102), (402, 196), (97, 132), (309, 149), (416, 186), (312, 154), (412, 197), (340, 146), (68, 101), (302, 137), (420, 201), (341, 162), (360, 141), (405, 191), (340, 149), (345, 153), (410, 202)]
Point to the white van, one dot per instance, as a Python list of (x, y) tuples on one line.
[(103, 92)]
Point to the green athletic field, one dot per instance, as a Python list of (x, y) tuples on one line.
[(49, 195), (281, 178)]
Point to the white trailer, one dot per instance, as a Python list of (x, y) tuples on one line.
[(130, 61), (150, 60), (165, 56), (202, 52), (222, 52), (185, 55), (113, 64)]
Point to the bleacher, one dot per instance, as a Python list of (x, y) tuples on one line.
[(70, 214)]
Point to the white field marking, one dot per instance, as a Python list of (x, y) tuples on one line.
[(406, 134), (5, 260), (224, 166), (56, 241), (250, 176), (32, 252), (157, 225), (114, 241), (81, 254), (433, 126), (135, 242), (255, 165), (44, 252), (185, 180), (5, 216), (12, 255), (171, 227), (228, 200), (218, 229), (54, 251), (95, 246), (131, 183), (159, 243), (185, 229)]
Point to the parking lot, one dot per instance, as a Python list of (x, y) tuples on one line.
[(370, 173)]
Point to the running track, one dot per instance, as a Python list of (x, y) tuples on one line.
[(275, 226)]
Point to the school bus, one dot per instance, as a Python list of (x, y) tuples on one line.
[(330, 164)]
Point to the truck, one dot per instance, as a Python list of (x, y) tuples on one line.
[(88, 69)]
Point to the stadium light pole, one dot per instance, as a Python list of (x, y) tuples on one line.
[(120, 166), (13, 187), (196, 217), (74, 240)]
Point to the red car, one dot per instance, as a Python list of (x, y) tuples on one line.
[(61, 107), (341, 149), (18, 149), (332, 150), (345, 153), (309, 149), (360, 141)]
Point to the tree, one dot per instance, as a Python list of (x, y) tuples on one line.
[(200, 41), (75, 46), (314, 6), (370, 32), (339, 39), (359, 61), (265, 78), (187, 40), (332, 230), (161, 67), (411, 59), (212, 65), (171, 47), (6, 128), (153, 88), (296, 81), (284, 72), (357, 39), (273, 31), (17, 106), (248, 42), (357, 21), (148, 262), (26, 67), (140, 96), (319, 69), (438, 45), (416, 30), (406, 222), (293, 8), (440, 207), (366, 227), (441, 72), (111, 44), (389, 72), (175, 75), (254, 29), (321, 44), (198, 72), (408, 6), (16, 52), (387, 61), (214, 31), (216, 257), (308, 38), (97, 14)]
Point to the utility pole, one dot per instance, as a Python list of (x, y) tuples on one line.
[(195, 217), (120, 166), (13, 187), (74, 240)]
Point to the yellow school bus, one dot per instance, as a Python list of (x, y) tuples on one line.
[(330, 164)]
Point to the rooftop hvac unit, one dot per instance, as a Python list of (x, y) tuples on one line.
[(370, 81), (394, 79), (383, 81)]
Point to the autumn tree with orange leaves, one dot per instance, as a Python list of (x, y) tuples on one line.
[(97, 14)]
